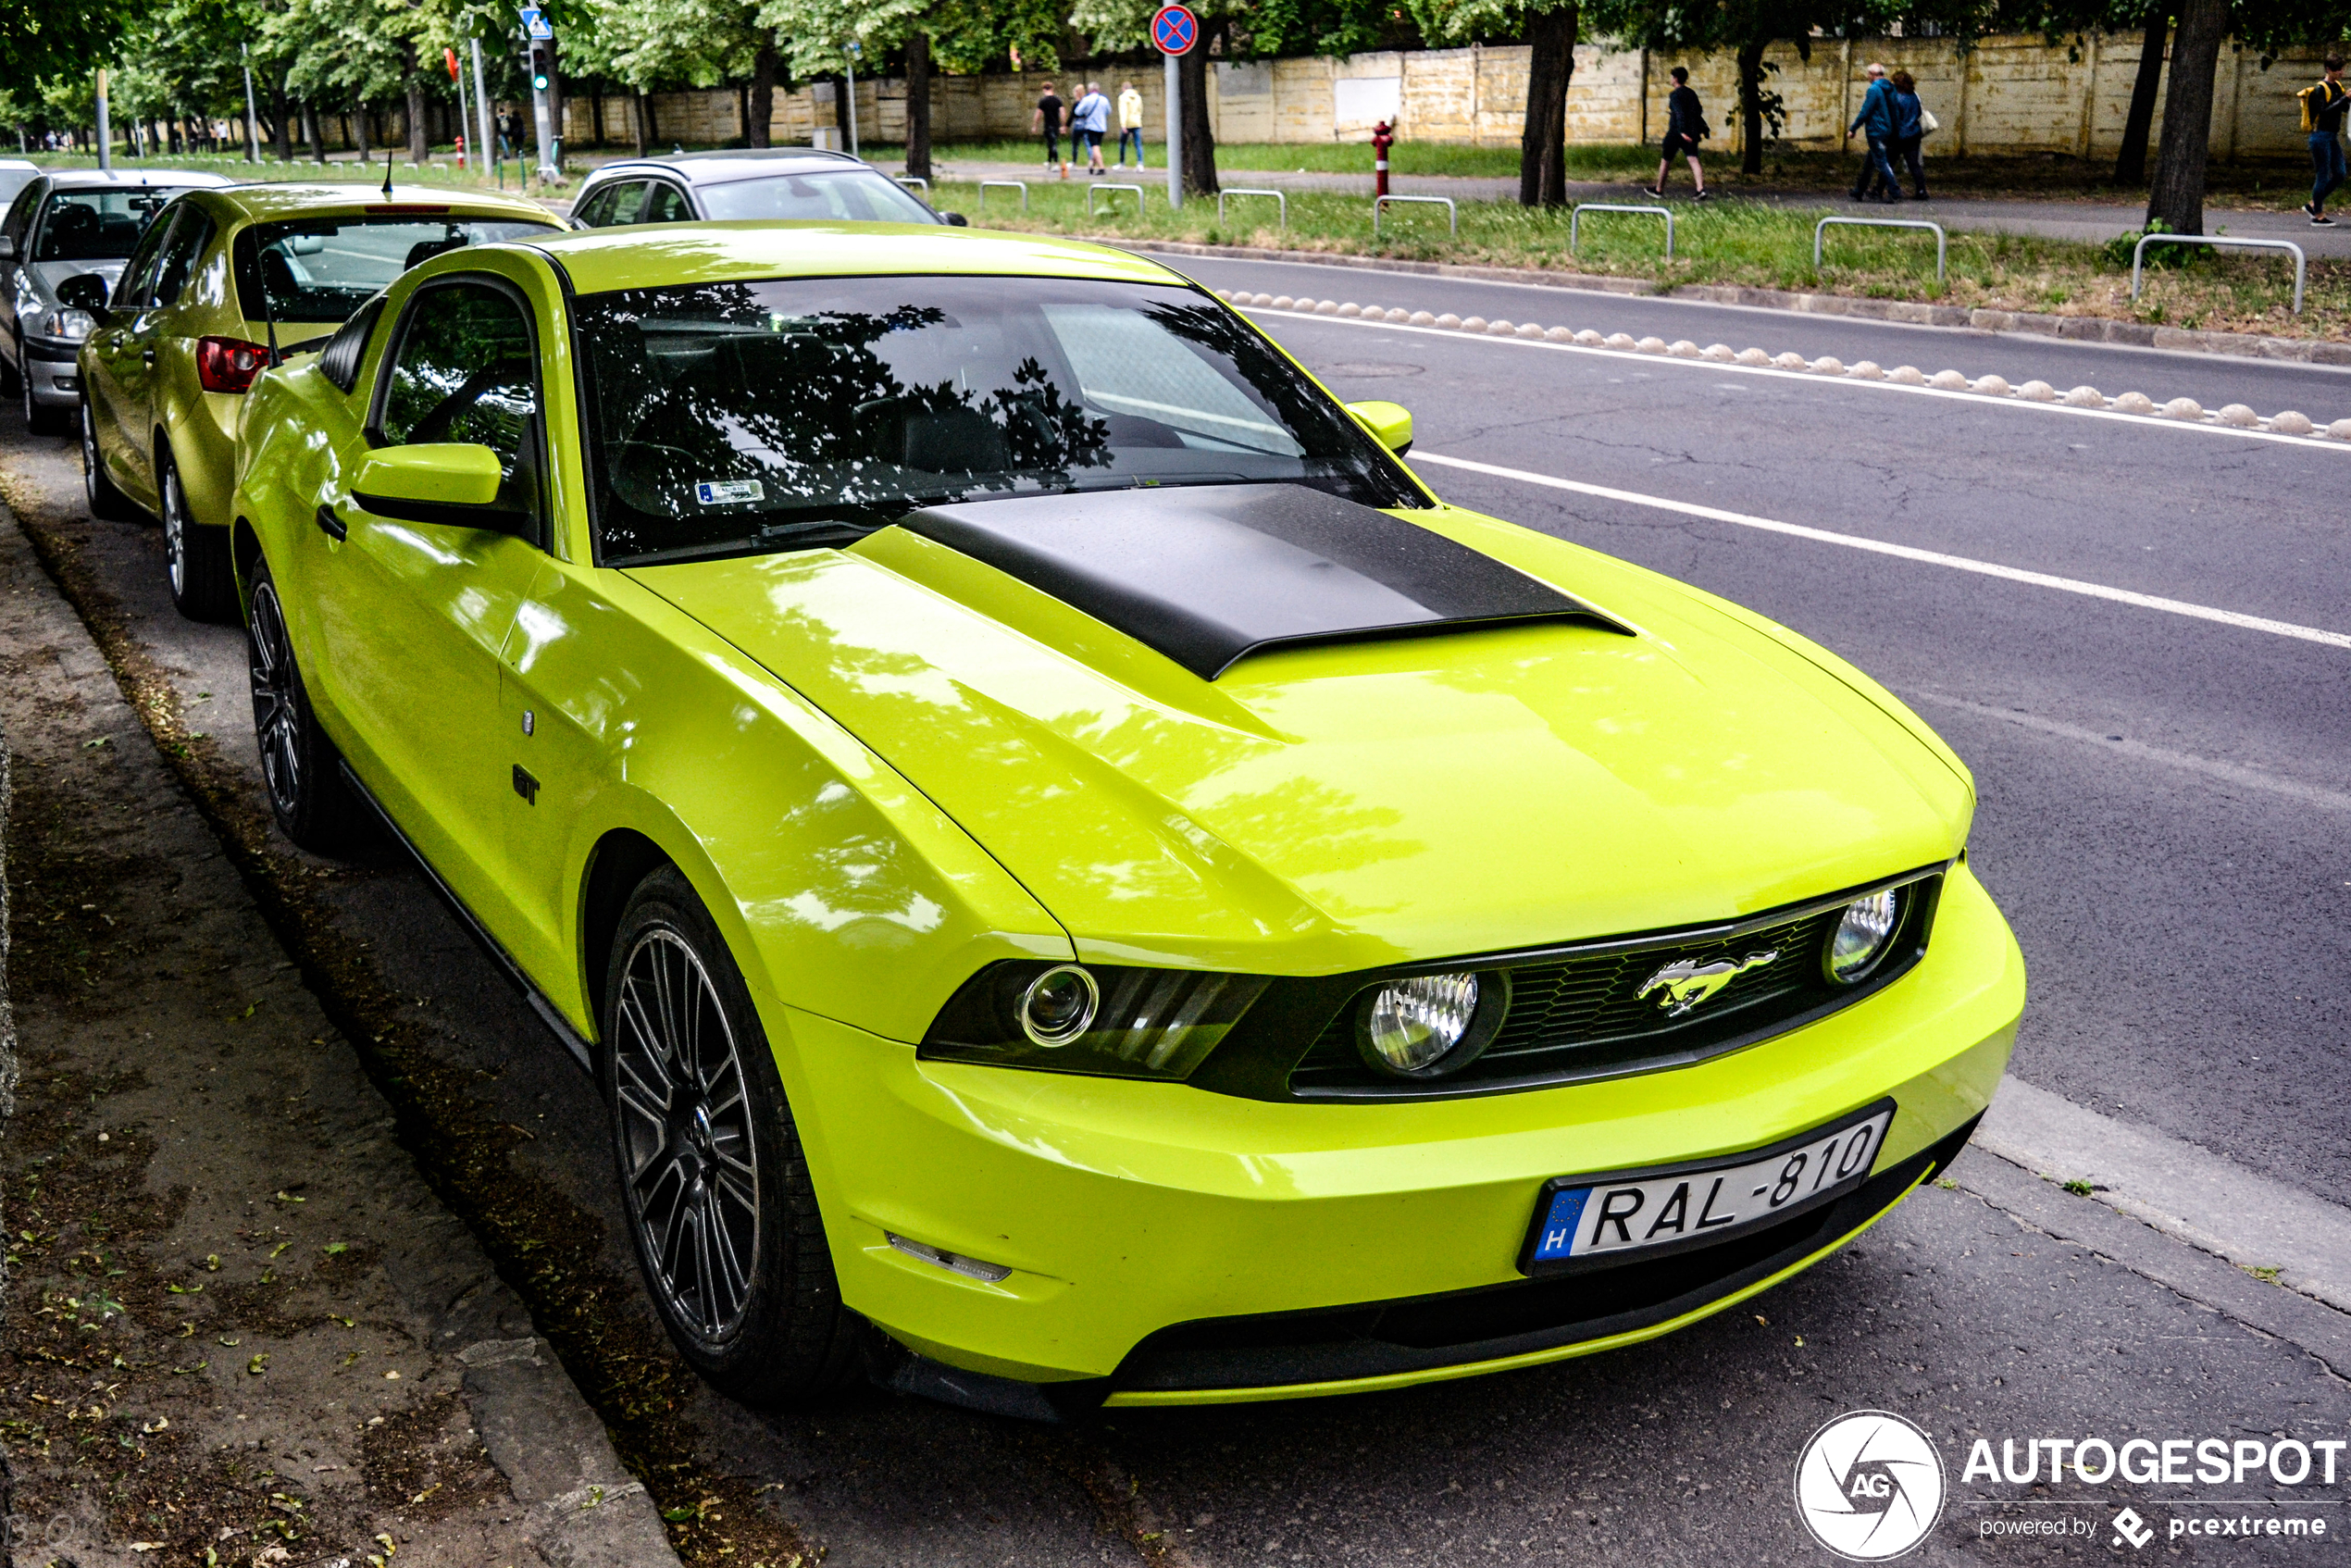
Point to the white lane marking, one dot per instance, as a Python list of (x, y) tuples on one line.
[(1980, 399), (2211, 767), (1906, 553)]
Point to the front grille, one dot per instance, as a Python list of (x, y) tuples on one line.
[(1578, 1013)]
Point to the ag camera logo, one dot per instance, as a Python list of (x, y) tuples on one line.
[(1869, 1486)]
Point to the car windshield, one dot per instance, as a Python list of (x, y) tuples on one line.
[(735, 418), (850, 195), (98, 225), (323, 268), (15, 179)]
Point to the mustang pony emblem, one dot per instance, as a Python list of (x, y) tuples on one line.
[(1685, 984)]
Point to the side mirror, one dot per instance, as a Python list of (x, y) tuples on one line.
[(454, 483), (8, 248), (86, 292), (1390, 424), (954, 221)]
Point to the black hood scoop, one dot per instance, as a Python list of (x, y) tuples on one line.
[(1208, 574)]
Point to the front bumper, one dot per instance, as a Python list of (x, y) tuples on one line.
[(1125, 1210), (49, 368)]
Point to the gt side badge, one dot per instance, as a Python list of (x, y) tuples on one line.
[(529, 722), (526, 786)]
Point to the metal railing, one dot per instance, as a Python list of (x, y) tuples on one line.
[(913, 179), (987, 185), (1245, 191), (2138, 255), (1452, 215), (1942, 242), (1093, 190), (1576, 217)]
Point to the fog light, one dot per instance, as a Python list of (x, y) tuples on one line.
[(1058, 1005), (1411, 1025), (1862, 937)]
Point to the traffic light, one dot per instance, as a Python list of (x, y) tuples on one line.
[(541, 68)]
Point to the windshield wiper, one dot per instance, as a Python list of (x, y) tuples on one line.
[(809, 534)]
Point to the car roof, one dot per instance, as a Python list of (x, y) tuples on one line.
[(19, 162), (720, 167), (672, 254), (99, 179), (268, 201)]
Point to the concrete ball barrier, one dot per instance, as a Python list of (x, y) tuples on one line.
[(1866, 370), (1472, 323), (1329, 307), (1907, 376), (1449, 321), (1791, 361), (1827, 365), (2292, 422), (1402, 315), (2184, 408), (1721, 354), (1530, 332), (1752, 356), (1501, 329), (1283, 301), (2083, 397), (2135, 403), (2340, 430), (1651, 345), (2239, 416), (1619, 341), (1682, 348), (1349, 308), (2037, 392), (1423, 318), (1949, 380), (1991, 386), (1589, 339), (1559, 335)]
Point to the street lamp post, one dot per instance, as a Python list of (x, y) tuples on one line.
[(850, 52), (253, 120), (482, 105), (106, 130)]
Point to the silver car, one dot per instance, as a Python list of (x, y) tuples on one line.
[(63, 225), (784, 183)]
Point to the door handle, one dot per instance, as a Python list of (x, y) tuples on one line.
[(331, 525), (147, 357)]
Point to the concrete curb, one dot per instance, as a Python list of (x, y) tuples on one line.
[(2073, 328)]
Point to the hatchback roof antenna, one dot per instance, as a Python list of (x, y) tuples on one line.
[(387, 171)]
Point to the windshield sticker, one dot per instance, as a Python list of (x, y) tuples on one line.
[(729, 493)]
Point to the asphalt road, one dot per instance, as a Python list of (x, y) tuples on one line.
[(2180, 892)]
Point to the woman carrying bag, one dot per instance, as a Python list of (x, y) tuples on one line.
[(1912, 124)]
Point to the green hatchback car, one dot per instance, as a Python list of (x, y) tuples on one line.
[(1083, 880), (220, 275)]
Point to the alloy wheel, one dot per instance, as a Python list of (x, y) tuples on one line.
[(175, 528), (689, 1155), (89, 456), (276, 721), (24, 383)]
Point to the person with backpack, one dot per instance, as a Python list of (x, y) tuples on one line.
[(1685, 127), (1909, 129), (1876, 121), (2323, 108)]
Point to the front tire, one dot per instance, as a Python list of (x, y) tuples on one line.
[(303, 771), (39, 420), (204, 581), (107, 504), (713, 1178)]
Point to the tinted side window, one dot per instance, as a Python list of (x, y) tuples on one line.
[(19, 220), (179, 253), (339, 361), (466, 371), (666, 204), (139, 273)]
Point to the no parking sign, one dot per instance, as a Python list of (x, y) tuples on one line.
[(1174, 30)]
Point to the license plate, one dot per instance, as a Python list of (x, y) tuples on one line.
[(1601, 1220)]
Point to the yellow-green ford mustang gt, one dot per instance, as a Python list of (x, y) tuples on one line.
[(1064, 854)]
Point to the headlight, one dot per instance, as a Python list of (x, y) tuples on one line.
[(71, 324), (1863, 937), (1428, 1026), (1096, 1018)]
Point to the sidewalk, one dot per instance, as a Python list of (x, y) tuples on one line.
[(240, 1329)]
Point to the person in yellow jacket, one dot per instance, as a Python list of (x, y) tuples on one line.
[(1130, 123), (2323, 108)]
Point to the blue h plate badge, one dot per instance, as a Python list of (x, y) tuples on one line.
[(1594, 1221)]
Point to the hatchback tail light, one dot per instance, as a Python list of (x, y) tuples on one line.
[(229, 365)]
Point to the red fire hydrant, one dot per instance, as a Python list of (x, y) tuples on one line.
[(1383, 138)]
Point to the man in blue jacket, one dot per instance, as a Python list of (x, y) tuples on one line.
[(1877, 121)]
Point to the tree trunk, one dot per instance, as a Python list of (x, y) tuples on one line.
[(2131, 163), (2176, 196), (1200, 141), (596, 108), (310, 131), (918, 104), (642, 121), (1551, 68), (362, 134), (281, 112), (760, 113), (419, 148), (841, 107), (1750, 63)]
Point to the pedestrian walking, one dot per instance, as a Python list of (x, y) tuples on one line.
[(1130, 123), (1911, 125), (1876, 121), (1685, 127), (1090, 122), (2323, 108), (1047, 121)]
